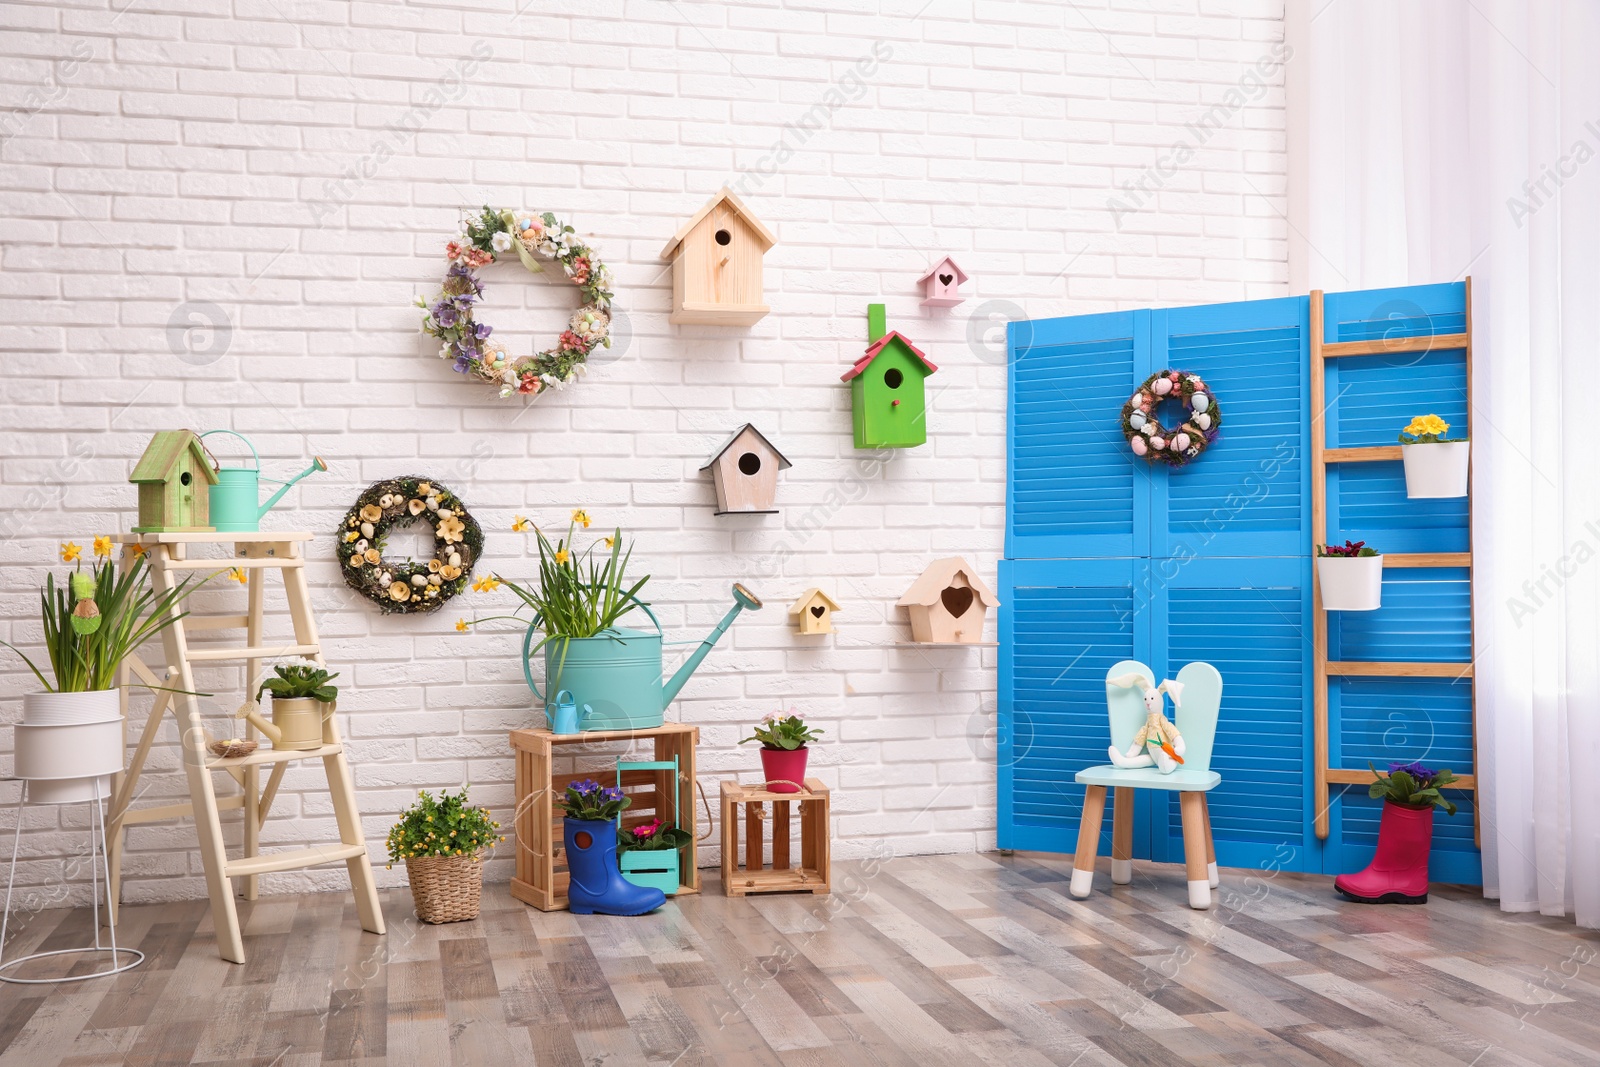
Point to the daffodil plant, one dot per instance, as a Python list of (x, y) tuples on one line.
[(580, 592), (1427, 430), (100, 617)]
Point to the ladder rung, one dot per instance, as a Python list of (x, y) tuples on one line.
[(216, 622), (1382, 346), (257, 652), (1340, 776), (250, 563), (292, 861), (1370, 454), (273, 755), (184, 810), (1427, 559), (1359, 669)]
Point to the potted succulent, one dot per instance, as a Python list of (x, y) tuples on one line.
[(302, 701), (648, 854), (1436, 466), (1350, 576), (92, 623), (1398, 873), (442, 840), (589, 833), (783, 749)]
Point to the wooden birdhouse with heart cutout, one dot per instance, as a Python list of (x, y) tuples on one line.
[(941, 286), (948, 604), (813, 612), (888, 400), (716, 265), (745, 471)]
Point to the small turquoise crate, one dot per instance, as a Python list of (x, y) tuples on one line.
[(657, 868)]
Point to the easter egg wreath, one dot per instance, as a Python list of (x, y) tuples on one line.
[(452, 316), (408, 586), (1154, 442)]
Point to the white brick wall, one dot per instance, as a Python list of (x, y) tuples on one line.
[(188, 155)]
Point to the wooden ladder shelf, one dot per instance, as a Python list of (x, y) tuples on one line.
[(1321, 457), (255, 554)]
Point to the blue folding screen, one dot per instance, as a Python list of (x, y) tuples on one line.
[(1109, 558)]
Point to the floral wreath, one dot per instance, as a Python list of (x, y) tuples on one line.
[(452, 319), (409, 586), (1148, 438)]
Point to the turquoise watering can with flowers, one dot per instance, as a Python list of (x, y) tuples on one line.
[(233, 498), (616, 674)]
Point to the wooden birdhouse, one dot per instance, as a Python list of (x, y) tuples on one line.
[(887, 394), (174, 477), (716, 265), (745, 470), (813, 612), (941, 286), (948, 604)]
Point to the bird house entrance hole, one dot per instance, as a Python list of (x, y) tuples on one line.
[(749, 464)]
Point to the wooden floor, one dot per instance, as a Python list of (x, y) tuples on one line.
[(926, 961)]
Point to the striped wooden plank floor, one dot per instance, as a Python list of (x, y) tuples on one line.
[(918, 962)]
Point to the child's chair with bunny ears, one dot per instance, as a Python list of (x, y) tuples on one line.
[(1196, 720)]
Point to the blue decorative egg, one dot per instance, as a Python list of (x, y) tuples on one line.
[(1200, 402), (1136, 420)]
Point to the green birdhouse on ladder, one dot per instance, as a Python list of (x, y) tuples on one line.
[(174, 476), (887, 390)]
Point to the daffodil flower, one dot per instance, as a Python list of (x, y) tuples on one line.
[(102, 547), (562, 556), (520, 524), (238, 575), (487, 584), (70, 551), (461, 625), (581, 517)]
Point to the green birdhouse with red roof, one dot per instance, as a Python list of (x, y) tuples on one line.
[(888, 393)]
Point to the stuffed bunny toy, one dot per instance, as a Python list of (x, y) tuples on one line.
[(1158, 743)]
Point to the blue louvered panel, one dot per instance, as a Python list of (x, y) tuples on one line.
[(1368, 502), (1391, 720), (1058, 644), (1257, 639), (1071, 490), (1377, 396), (1249, 494), (1426, 617), (1409, 311)]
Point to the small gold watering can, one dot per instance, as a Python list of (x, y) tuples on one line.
[(298, 723)]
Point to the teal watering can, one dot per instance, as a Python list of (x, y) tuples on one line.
[(562, 716), (233, 498), (617, 673)]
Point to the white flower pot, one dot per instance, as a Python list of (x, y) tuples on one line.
[(1350, 583), (77, 753), (67, 709), (1436, 469)]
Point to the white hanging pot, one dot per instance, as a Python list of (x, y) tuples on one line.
[(67, 709), (1350, 583), (1436, 469)]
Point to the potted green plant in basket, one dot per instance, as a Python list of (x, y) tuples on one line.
[(1350, 576), (1436, 465), (1398, 873), (302, 701), (92, 623), (783, 749), (442, 840)]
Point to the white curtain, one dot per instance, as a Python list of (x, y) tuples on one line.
[(1434, 139)]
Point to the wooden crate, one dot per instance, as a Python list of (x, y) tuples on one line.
[(541, 878), (813, 872)]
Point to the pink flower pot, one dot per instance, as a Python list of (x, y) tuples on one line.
[(784, 766)]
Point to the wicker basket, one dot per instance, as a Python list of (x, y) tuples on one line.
[(446, 889)]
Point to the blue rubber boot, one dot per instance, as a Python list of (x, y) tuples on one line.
[(597, 884)]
